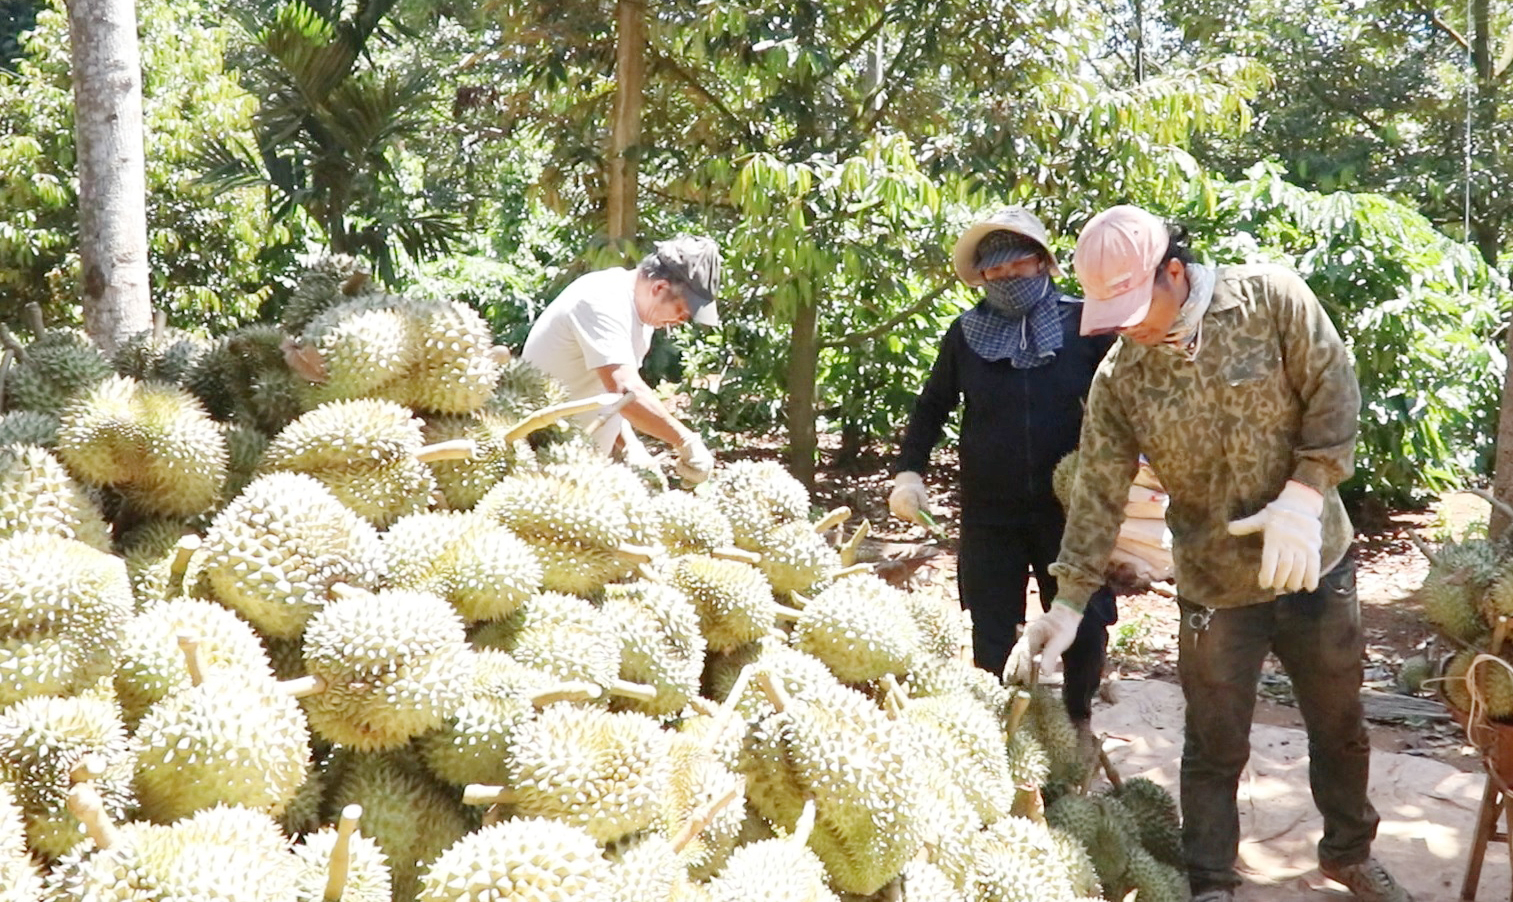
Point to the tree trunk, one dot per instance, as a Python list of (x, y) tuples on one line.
[(630, 77), (803, 364), (107, 76), (1502, 480)]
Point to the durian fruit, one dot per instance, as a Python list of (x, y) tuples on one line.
[(616, 484), (604, 772), (153, 442), (458, 369), (151, 662), (734, 600), (159, 354), (156, 553), (394, 665), (947, 676), (1156, 881), (1492, 688), (942, 630), (364, 451), (566, 637), (779, 868), (234, 738), (1459, 576), (244, 378), (340, 863), (1155, 813), (1105, 829), (43, 742), (756, 496), (795, 557), (661, 645), (29, 427), (796, 673), (63, 606), (1016, 860), (645, 868), (520, 860), (863, 774), (226, 854), (273, 554), (1048, 721), (302, 814), (245, 447), (51, 371), (325, 282), (861, 628), (691, 524), (967, 743), (19, 880), (578, 538), (411, 816), (1454, 683), (922, 881), (703, 809), (464, 482), (481, 568), (523, 388), (38, 495)]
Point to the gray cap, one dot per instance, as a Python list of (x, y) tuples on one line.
[(695, 261), (1009, 219)]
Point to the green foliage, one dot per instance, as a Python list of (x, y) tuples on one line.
[(204, 251), (1419, 311)]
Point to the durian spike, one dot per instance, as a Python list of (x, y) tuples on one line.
[(455, 449), (641, 692), (572, 691), (852, 570), (787, 614), (1500, 505), (84, 803), (159, 324), (1017, 707), (727, 711), (34, 319), (303, 686), (704, 817), (183, 550), (341, 853), (774, 691), (1423, 547), (805, 824), (546, 416), (739, 555), (5, 370), (636, 554), (610, 410), (487, 794), (849, 550), (190, 645), (12, 344), (835, 518), (499, 354)]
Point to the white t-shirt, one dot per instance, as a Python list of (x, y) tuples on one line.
[(592, 323)]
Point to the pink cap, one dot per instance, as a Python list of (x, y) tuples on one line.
[(1116, 259)]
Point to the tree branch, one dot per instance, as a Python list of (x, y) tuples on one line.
[(741, 126), (856, 338), (1441, 24)]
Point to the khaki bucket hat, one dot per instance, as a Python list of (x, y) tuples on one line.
[(1009, 219)]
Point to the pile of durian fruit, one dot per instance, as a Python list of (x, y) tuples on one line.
[(1467, 595), (341, 608)]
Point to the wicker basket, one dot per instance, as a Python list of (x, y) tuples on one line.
[(1494, 741)]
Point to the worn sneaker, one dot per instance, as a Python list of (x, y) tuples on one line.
[(1367, 881), (1215, 895)]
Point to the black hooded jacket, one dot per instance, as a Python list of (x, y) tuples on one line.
[(1016, 426)]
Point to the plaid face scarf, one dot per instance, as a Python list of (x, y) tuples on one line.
[(1019, 320)]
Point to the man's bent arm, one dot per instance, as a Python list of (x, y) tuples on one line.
[(645, 412)]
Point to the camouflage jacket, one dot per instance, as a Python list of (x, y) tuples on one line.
[(1271, 396)]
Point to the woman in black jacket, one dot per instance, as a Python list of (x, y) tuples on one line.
[(1023, 370)]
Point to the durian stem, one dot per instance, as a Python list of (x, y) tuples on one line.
[(1028, 803), (11, 344), (1500, 505), (703, 706), (487, 794), (1017, 707), (1499, 634), (183, 550), (805, 824), (849, 550), (341, 854), (190, 646), (728, 708), (852, 570), (641, 692), (702, 818), (787, 614), (90, 766), (774, 691), (895, 700), (34, 319), (303, 686), (1109, 770), (636, 554), (346, 590), (455, 449), (835, 518), (546, 416), (1423, 547), (576, 691), (84, 803), (798, 601), (739, 555), (499, 354)]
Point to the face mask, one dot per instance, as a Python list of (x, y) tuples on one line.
[(1018, 295)]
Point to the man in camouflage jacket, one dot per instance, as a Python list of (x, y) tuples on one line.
[(1236, 387)]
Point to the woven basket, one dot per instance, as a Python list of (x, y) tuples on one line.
[(1494, 741)]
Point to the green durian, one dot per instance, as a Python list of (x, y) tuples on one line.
[(523, 858), (481, 568)]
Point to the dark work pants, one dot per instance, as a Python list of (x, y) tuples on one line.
[(1317, 637), (993, 576)]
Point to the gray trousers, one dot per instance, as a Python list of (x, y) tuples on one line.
[(1317, 637)]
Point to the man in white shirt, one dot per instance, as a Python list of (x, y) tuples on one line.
[(595, 335)]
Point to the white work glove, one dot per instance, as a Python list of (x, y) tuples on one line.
[(909, 496), (1046, 637), (1293, 534), (694, 459)]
